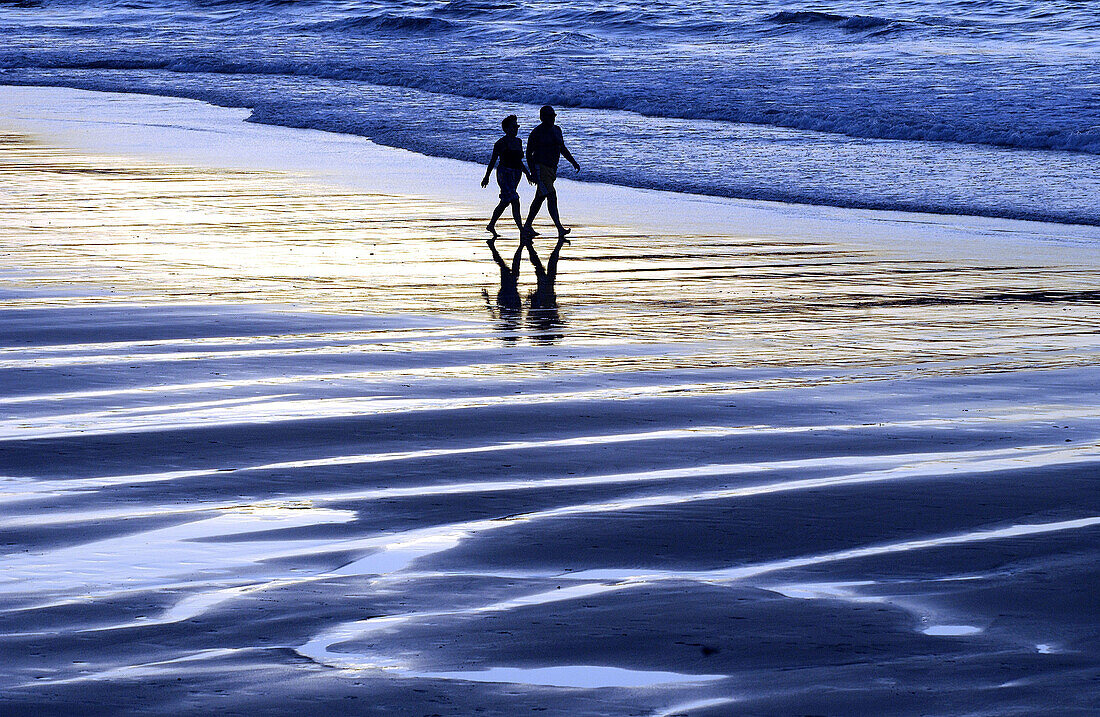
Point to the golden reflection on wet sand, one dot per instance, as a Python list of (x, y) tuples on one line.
[(155, 233)]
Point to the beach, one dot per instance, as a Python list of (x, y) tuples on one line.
[(268, 443)]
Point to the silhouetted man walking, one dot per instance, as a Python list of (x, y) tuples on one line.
[(545, 147)]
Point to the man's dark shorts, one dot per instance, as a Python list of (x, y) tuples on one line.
[(545, 179)]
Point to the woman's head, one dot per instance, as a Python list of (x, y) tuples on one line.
[(510, 124)]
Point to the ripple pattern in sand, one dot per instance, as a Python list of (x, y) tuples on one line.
[(813, 490)]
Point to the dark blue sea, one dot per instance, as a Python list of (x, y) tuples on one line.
[(954, 106)]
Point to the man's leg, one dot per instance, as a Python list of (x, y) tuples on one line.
[(552, 206)]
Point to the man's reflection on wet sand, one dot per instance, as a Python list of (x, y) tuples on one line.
[(542, 313)]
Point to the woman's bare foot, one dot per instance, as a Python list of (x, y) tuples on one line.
[(492, 230)]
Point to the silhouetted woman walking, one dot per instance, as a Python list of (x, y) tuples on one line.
[(508, 150)]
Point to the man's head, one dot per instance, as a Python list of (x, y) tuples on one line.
[(510, 125), (547, 114)]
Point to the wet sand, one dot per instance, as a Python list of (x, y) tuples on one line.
[(268, 445)]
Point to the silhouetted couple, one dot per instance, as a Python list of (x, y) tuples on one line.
[(545, 148)]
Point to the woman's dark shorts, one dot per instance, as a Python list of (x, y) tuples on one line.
[(508, 181)]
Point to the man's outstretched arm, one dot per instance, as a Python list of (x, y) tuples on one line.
[(569, 156)]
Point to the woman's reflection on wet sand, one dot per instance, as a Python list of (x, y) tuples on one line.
[(508, 308)]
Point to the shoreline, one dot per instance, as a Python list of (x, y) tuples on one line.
[(756, 163), (195, 132)]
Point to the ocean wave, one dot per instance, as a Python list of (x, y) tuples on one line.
[(382, 23), (252, 3), (913, 124), (638, 20), (852, 23), (62, 29), (465, 9)]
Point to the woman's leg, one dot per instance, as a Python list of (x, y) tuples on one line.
[(496, 215)]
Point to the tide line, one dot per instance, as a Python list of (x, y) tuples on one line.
[(589, 583)]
